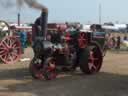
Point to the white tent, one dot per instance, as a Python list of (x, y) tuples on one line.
[(120, 26), (108, 27)]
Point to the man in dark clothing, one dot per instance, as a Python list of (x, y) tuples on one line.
[(118, 42), (113, 42), (125, 37), (39, 29), (40, 26)]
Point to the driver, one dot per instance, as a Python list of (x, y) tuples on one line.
[(40, 26)]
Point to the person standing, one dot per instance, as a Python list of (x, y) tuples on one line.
[(125, 37), (23, 40), (118, 42), (113, 42)]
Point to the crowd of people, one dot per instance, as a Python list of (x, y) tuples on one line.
[(114, 42)]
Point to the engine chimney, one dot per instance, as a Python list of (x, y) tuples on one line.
[(43, 22), (18, 19)]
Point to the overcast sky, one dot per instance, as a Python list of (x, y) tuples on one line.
[(72, 10)]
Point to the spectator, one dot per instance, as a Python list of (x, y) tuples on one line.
[(125, 37), (113, 42), (118, 42), (23, 39)]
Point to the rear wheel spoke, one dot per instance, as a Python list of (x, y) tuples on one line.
[(11, 58), (5, 44), (2, 51), (91, 65), (14, 54), (5, 57), (92, 59)]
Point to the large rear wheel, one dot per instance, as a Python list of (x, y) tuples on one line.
[(91, 59), (10, 49)]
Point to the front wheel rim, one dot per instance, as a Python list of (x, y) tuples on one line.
[(43, 71)]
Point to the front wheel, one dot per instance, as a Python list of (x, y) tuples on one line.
[(91, 59), (43, 70)]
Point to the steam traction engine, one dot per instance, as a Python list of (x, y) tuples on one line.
[(10, 47), (75, 49)]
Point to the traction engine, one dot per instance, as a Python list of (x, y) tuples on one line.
[(10, 47), (63, 52)]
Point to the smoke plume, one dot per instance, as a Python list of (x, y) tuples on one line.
[(20, 3), (7, 3), (31, 3)]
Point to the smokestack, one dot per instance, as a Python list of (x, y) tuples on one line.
[(44, 15), (44, 20), (18, 19)]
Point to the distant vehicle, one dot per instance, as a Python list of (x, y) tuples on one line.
[(115, 27)]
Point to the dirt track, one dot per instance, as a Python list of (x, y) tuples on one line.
[(15, 80)]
